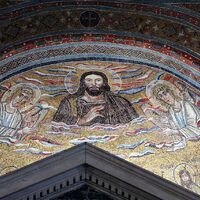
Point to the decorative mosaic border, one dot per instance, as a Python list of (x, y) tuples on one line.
[(131, 6), (150, 43), (121, 21), (98, 51)]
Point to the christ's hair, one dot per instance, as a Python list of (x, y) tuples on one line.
[(82, 85)]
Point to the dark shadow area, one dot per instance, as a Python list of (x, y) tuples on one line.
[(84, 193)]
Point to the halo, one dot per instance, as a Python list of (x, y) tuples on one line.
[(16, 88), (71, 80), (152, 84), (183, 166)]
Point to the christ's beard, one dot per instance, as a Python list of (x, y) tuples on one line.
[(94, 91)]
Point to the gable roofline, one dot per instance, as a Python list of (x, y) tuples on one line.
[(88, 159)]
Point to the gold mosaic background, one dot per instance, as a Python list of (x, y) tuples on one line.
[(149, 139)]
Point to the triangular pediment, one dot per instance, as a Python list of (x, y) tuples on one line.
[(88, 166)]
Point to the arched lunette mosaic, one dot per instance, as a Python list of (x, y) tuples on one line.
[(134, 93), (133, 102)]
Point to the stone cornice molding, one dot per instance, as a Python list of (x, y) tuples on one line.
[(87, 164)]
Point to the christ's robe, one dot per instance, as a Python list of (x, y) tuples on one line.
[(117, 110)]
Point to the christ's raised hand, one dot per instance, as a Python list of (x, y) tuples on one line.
[(92, 114)]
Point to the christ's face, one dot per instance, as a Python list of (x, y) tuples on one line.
[(94, 84)]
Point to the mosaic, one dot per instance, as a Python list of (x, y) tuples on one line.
[(168, 10), (181, 65), (142, 114), (121, 76), (37, 20)]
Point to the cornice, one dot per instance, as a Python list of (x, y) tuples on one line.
[(87, 164)]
